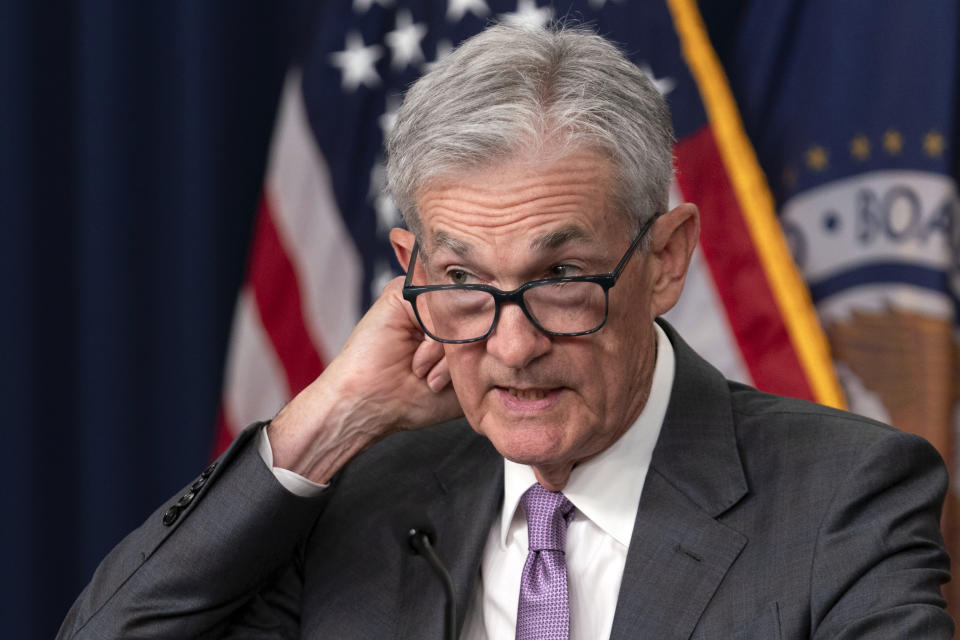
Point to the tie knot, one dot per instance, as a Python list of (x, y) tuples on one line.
[(548, 513)]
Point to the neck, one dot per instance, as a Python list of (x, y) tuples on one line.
[(553, 478)]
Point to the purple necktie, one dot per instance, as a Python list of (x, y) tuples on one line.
[(544, 610)]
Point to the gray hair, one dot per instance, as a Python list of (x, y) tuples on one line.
[(510, 90)]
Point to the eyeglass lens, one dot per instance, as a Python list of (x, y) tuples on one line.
[(465, 314)]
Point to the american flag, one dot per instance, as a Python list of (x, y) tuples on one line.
[(320, 253)]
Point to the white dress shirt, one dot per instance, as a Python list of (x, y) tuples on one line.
[(605, 492)]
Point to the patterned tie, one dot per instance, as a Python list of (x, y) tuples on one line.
[(544, 611)]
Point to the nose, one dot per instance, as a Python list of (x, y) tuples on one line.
[(515, 342)]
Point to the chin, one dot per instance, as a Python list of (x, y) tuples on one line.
[(529, 444)]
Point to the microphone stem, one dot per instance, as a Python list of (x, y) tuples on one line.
[(422, 542)]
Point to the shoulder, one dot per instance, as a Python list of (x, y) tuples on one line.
[(756, 408), (810, 438)]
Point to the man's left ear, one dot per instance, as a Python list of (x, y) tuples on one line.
[(402, 242), (675, 237)]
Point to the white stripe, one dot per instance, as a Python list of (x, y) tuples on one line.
[(324, 258), (255, 387), (701, 318)]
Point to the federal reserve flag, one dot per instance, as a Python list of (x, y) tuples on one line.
[(852, 107)]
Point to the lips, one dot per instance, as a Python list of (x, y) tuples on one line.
[(529, 399)]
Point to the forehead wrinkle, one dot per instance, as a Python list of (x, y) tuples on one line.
[(470, 200), (481, 218), (548, 188), (543, 193), (493, 203)]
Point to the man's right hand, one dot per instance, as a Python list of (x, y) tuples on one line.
[(388, 377)]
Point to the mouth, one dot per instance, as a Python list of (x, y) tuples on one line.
[(528, 399), (528, 394)]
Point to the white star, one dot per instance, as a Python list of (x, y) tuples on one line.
[(378, 177), (444, 47), (528, 15), (389, 117), (405, 40), (456, 9), (664, 85), (388, 216), (362, 6), (356, 62)]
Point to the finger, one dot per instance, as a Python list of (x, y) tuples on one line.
[(439, 376), (427, 355), (394, 290), (445, 405)]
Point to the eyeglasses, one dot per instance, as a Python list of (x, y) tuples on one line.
[(461, 313)]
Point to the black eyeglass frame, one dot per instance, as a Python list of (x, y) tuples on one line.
[(605, 280)]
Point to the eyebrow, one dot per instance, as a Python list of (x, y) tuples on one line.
[(558, 238), (545, 242), (443, 240)]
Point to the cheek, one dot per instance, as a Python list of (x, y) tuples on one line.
[(590, 364), (629, 316), (463, 361), (612, 363)]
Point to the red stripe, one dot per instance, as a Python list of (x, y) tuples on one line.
[(740, 279), (223, 436), (277, 293)]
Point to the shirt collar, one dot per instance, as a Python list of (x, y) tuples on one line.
[(606, 489)]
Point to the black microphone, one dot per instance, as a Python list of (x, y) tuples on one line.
[(420, 540)]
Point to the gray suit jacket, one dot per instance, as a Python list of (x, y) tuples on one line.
[(761, 517)]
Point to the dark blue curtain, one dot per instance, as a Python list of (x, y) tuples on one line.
[(133, 138)]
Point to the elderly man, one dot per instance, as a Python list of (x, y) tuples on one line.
[(603, 481)]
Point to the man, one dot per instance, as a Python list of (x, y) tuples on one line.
[(658, 499)]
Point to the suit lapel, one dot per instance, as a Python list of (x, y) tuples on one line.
[(679, 553), (461, 499), (678, 556)]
